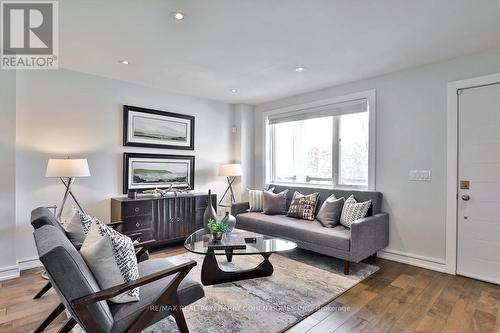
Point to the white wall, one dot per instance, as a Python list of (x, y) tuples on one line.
[(8, 264), (64, 113), (243, 147), (411, 134)]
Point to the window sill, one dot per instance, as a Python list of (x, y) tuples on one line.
[(330, 187)]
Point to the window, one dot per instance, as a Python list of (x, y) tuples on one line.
[(326, 145)]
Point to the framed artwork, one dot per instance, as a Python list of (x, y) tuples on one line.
[(157, 129), (149, 171)]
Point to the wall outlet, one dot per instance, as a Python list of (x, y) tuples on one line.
[(420, 175)]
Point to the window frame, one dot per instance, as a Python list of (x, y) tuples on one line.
[(268, 142)]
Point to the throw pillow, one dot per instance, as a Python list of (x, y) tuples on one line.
[(111, 258), (77, 227), (303, 206), (274, 203), (255, 199), (353, 211), (330, 211)]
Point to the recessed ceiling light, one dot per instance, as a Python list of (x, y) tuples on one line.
[(124, 62), (234, 90), (299, 69), (178, 16)]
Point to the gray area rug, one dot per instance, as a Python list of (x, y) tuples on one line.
[(301, 283)]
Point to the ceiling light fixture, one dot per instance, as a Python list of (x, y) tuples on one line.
[(178, 16), (299, 69), (124, 62), (234, 90)]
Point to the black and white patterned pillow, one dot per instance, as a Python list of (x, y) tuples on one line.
[(111, 258), (303, 206), (353, 211), (86, 221), (256, 199)]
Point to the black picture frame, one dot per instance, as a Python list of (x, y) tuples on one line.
[(128, 139), (127, 157)]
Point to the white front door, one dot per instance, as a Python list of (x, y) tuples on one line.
[(478, 246)]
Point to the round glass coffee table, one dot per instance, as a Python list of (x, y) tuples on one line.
[(255, 244)]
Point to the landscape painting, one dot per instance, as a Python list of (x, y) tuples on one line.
[(158, 129), (150, 171)]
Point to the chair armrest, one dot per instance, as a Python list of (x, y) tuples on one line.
[(111, 292), (369, 235), (141, 248), (239, 208)]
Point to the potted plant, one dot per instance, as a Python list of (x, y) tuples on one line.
[(217, 229)]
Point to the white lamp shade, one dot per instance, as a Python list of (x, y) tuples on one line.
[(230, 170), (67, 168)]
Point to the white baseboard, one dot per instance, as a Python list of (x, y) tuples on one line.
[(9, 272), (12, 272), (414, 260), (28, 263)]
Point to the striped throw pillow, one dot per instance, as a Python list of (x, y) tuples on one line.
[(353, 211), (255, 199)]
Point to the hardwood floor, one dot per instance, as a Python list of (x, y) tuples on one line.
[(397, 298)]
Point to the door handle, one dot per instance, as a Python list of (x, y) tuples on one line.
[(465, 197)]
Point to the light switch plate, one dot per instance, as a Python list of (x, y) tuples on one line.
[(420, 175)]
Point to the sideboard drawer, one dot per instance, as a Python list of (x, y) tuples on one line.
[(137, 209), (146, 235), (137, 223)]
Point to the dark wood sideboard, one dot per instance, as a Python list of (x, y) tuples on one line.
[(163, 219)]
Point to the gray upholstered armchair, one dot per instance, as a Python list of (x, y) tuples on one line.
[(163, 286)]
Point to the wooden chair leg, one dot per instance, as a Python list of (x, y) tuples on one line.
[(346, 267), (43, 290), (68, 326), (180, 320), (53, 315)]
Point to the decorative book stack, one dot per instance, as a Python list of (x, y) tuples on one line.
[(229, 242)]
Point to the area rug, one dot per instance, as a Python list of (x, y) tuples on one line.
[(302, 282)]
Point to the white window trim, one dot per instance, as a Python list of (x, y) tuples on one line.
[(370, 95)]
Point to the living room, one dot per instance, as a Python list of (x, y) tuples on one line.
[(257, 166)]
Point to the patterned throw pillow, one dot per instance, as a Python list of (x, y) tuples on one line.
[(353, 211), (255, 199), (111, 258), (303, 206)]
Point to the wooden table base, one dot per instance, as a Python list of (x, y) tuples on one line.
[(212, 274)]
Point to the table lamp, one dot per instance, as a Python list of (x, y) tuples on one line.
[(230, 171), (67, 170)]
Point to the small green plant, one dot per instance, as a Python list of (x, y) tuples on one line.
[(217, 226)]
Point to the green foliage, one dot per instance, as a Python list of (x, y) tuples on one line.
[(217, 226)]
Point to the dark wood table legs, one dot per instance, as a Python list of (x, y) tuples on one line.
[(229, 255), (212, 274)]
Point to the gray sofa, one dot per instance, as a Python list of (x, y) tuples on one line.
[(365, 237)]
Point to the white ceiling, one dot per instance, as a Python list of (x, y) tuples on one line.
[(254, 45)]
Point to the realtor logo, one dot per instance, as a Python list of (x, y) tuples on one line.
[(29, 35)]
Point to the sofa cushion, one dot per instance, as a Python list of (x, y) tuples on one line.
[(289, 228), (329, 213), (303, 206), (274, 203), (189, 291), (375, 197), (255, 199), (353, 211)]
